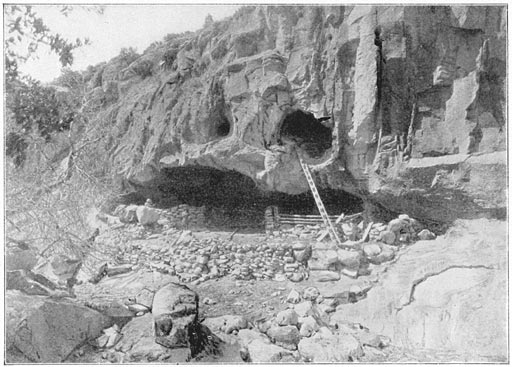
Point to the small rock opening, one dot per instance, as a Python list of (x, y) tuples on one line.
[(223, 128), (233, 200), (310, 134)]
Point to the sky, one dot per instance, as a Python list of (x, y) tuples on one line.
[(119, 26)]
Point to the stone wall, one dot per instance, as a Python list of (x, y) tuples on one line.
[(185, 216)]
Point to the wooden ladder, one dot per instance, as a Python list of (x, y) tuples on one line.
[(318, 201)]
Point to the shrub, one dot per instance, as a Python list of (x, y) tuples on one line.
[(143, 68), (169, 57)]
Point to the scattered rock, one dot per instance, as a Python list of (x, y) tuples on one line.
[(311, 293), (293, 297)]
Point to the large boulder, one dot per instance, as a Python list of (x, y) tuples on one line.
[(47, 331), (175, 315)]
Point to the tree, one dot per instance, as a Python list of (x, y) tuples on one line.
[(31, 105), (26, 32)]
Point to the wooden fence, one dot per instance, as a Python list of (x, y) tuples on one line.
[(274, 220)]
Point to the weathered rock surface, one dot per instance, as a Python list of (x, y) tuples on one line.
[(326, 346), (19, 259), (444, 294), (47, 331), (257, 348), (223, 98)]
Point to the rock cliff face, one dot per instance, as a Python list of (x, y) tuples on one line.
[(400, 105)]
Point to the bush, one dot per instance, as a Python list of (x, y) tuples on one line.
[(143, 68), (128, 55), (169, 57)]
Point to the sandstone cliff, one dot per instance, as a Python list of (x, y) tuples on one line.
[(400, 105)]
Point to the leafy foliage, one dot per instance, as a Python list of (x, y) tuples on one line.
[(143, 68), (26, 32), (128, 55), (37, 106)]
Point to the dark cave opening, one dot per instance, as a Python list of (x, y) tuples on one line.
[(308, 132), (223, 128), (233, 200)]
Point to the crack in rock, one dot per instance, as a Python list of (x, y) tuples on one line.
[(429, 275)]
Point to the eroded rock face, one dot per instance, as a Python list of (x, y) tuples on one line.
[(387, 102), (47, 331), (444, 294)]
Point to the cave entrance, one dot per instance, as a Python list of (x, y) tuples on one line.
[(232, 200), (307, 132)]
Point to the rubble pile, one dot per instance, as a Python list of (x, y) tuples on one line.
[(301, 332)]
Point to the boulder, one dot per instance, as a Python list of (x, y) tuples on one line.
[(287, 317), (175, 314), (227, 323), (311, 293), (127, 214), (147, 216), (388, 237), (326, 347), (47, 331), (287, 336), (60, 269), (349, 259), (371, 250), (426, 235), (138, 344), (386, 254), (29, 283), (293, 297), (260, 351), (303, 309), (308, 326), (325, 276), (303, 255)]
